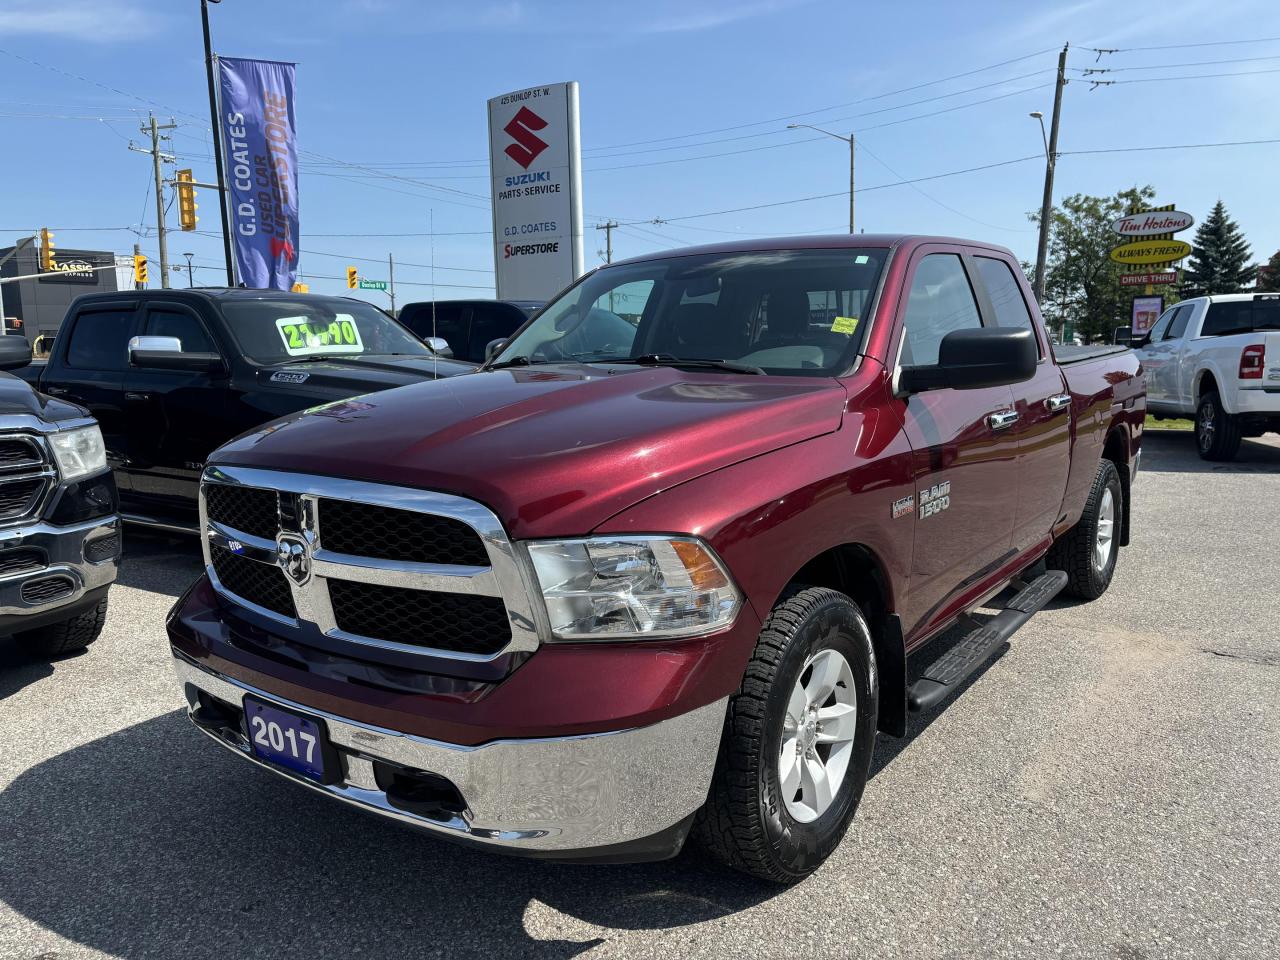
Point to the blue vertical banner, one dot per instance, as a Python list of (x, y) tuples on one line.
[(261, 163)]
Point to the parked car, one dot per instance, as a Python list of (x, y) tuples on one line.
[(602, 595), (468, 326), (171, 374), (1217, 359), (59, 532)]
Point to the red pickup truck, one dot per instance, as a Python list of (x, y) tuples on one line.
[(656, 569)]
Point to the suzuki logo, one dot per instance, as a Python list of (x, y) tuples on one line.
[(527, 145), (294, 558)]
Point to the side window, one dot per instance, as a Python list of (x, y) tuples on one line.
[(447, 320), (488, 323), (1162, 325), (163, 322), (1006, 296), (1178, 325), (100, 340), (940, 300), (1226, 317)]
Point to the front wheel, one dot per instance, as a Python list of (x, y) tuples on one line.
[(797, 741), (66, 636), (1217, 432)]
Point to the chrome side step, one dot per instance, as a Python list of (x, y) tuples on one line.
[(946, 673)]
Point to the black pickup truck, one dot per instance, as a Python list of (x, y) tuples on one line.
[(172, 374)]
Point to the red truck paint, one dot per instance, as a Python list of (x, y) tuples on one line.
[(772, 472)]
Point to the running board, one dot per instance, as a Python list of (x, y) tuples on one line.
[(946, 673)]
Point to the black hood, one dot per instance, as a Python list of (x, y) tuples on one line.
[(348, 376), (17, 397)]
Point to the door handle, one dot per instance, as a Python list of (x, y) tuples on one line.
[(135, 395), (56, 391), (1060, 402), (1002, 420)]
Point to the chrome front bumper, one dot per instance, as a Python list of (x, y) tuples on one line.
[(544, 797), (64, 548)]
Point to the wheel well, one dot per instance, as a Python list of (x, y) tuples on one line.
[(1206, 385), (1116, 450), (854, 570)]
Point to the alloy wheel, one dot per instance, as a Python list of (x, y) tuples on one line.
[(1106, 531), (817, 737)]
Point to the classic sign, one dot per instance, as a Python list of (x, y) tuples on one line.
[(1150, 223), (1151, 251)]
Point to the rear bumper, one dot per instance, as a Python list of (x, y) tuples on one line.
[(66, 571), (624, 795), (1258, 401)]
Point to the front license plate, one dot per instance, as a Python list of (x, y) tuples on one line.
[(286, 739)]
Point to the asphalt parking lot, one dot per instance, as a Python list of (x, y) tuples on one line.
[(1108, 787)]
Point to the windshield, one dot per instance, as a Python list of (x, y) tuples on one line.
[(275, 330), (800, 312)]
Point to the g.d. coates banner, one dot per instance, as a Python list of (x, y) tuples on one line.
[(258, 135)]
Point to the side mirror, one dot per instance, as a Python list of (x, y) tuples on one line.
[(1122, 336), (974, 358), (439, 346), (1142, 340), (15, 352), (166, 353), (493, 348)]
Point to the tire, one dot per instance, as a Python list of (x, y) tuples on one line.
[(1079, 551), (1217, 432), (747, 822), (66, 636)]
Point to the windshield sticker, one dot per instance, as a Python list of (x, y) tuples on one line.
[(304, 337), (844, 325), (281, 376), (859, 260)]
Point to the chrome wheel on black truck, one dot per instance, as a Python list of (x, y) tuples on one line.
[(797, 741)]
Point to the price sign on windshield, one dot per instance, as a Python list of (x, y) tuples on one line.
[(304, 337)]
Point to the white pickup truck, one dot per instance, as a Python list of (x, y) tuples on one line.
[(1217, 359)]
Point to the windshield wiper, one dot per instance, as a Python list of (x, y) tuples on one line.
[(667, 360), (520, 361), (314, 357)]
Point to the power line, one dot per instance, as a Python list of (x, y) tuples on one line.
[(1171, 146), (1087, 71), (1182, 46), (1190, 76)]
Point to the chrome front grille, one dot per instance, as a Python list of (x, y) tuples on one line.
[(376, 569), (27, 476)]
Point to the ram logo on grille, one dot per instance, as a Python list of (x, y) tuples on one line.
[(294, 557)]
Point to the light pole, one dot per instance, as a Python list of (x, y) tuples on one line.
[(850, 141), (190, 282), (215, 121)]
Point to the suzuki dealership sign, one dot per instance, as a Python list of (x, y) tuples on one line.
[(535, 168)]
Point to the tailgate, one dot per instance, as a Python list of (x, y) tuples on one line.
[(1270, 360)]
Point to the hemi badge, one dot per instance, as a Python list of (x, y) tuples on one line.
[(903, 507)]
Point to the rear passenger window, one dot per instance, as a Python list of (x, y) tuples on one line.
[(100, 340), (1006, 296), (178, 323), (940, 301), (1178, 325)]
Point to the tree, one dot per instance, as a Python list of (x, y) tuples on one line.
[(1219, 257), (1269, 276), (1082, 282)]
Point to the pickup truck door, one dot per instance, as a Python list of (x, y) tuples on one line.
[(89, 369), (176, 417), (1043, 406), (1157, 356), (964, 455)]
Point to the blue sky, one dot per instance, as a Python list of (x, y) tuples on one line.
[(391, 116)]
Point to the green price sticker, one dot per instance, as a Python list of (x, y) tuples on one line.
[(304, 337), (844, 325)]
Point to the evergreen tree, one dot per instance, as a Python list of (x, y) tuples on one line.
[(1269, 276), (1219, 257)]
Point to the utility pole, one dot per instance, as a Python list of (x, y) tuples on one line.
[(852, 150), (608, 227), (851, 155), (391, 271), (152, 129), (1051, 161), (215, 121)]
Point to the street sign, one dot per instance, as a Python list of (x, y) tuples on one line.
[(1142, 279), (1151, 251), (373, 285)]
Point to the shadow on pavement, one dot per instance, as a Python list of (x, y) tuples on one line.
[(154, 842), (17, 670), (1174, 451), (159, 562)]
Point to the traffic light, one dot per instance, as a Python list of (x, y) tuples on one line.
[(301, 288), (47, 263), (139, 268), (186, 200), (353, 278)]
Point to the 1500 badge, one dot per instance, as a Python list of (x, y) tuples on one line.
[(935, 499)]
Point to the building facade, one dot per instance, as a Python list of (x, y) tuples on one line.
[(36, 306)]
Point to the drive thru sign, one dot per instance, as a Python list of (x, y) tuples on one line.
[(535, 168)]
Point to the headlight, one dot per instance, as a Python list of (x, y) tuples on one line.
[(79, 452), (614, 588)]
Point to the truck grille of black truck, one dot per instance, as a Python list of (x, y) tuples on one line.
[(20, 561), (259, 583), (250, 510), (458, 622), (19, 452), (369, 530), (18, 497), (47, 589)]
